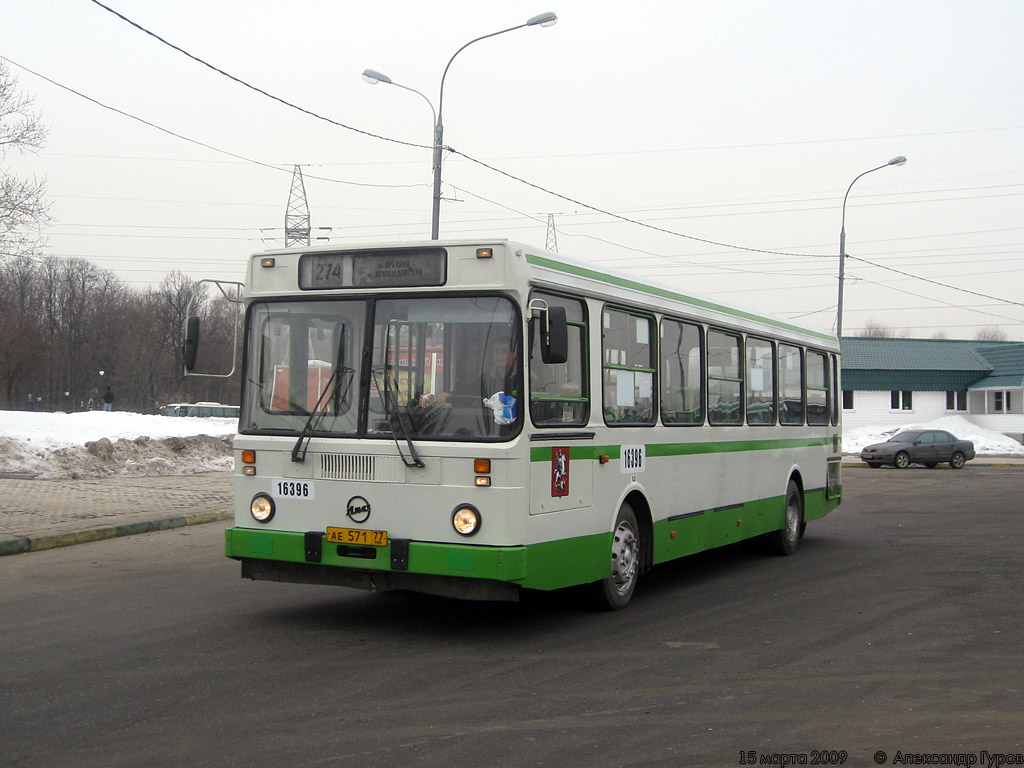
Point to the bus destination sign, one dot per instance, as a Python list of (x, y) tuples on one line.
[(372, 269)]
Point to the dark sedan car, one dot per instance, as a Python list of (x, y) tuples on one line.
[(919, 446)]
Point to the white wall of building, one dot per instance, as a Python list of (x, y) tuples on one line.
[(872, 409)]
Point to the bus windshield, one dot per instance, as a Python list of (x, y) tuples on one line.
[(437, 368)]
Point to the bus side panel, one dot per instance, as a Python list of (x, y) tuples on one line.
[(712, 528), (693, 533)]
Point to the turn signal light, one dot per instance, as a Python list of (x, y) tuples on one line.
[(481, 466)]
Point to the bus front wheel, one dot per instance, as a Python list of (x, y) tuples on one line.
[(615, 590)]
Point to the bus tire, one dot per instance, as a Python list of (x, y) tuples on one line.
[(785, 541), (615, 590)]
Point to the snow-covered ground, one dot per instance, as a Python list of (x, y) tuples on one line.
[(97, 444)]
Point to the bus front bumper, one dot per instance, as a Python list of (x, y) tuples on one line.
[(450, 570)]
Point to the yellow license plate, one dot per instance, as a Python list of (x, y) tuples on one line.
[(359, 536)]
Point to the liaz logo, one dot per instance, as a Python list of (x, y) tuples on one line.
[(358, 509), (634, 459)]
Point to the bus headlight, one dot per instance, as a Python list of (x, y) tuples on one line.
[(466, 519), (262, 508)]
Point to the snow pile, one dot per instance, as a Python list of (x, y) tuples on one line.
[(97, 444), (986, 442)]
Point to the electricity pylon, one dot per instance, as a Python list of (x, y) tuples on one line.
[(296, 218), (551, 243)]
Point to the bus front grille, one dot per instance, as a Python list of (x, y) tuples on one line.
[(359, 466)]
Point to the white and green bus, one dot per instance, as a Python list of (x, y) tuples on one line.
[(472, 419)]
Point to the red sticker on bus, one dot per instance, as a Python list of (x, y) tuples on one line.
[(559, 471)]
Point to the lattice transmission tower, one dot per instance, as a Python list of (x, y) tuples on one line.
[(551, 242), (296, 218)]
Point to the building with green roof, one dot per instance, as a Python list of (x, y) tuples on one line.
[(919, 380)]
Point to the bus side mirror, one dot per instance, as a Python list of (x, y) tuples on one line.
[(554, 342), (190, 348)]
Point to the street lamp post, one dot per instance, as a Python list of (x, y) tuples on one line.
[(374, 77), (899, 160)]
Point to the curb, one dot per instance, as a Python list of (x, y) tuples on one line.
[(16, 545)]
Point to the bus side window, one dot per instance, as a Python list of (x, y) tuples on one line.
[(725, 379), (791, 385), (559, 394), (682, 373), (760, 382), (817, 389), (627, 349)]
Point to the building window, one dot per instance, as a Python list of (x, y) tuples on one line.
[(956, 401), (901, 401), (1001, 402), (847, 399)]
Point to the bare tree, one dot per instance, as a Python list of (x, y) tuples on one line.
[(991, 333), (23, 339), (22, 203), (877, 330)]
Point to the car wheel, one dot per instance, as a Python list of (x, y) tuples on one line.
[(902, 460), (614, 592), (785, 541), (957, 460), (931, 464)]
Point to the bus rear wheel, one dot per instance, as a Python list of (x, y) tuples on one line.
[(785, 541), (615, 590)]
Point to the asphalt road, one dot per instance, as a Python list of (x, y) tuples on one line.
[(896, 626)]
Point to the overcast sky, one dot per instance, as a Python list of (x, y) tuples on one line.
[(728, 132)]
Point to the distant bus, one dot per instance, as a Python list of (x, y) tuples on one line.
[(200, 410), (635, 423)]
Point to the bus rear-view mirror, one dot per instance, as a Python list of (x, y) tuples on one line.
[(554, 347), (191, 346)]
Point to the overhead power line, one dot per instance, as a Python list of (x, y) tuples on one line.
[(176, 135), (260, 91)]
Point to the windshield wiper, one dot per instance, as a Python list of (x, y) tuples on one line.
[(317, 414), (401, 417)]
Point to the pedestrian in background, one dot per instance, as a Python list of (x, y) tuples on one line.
[(108, 400)]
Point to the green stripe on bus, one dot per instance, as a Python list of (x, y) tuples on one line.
[(592, 452), (665, 293), (545, 565)]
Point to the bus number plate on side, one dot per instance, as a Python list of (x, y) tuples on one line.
[(359, 536), (292, 489)]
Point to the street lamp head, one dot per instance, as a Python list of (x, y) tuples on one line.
[(373, 77), (544, 19), (900, 160)]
